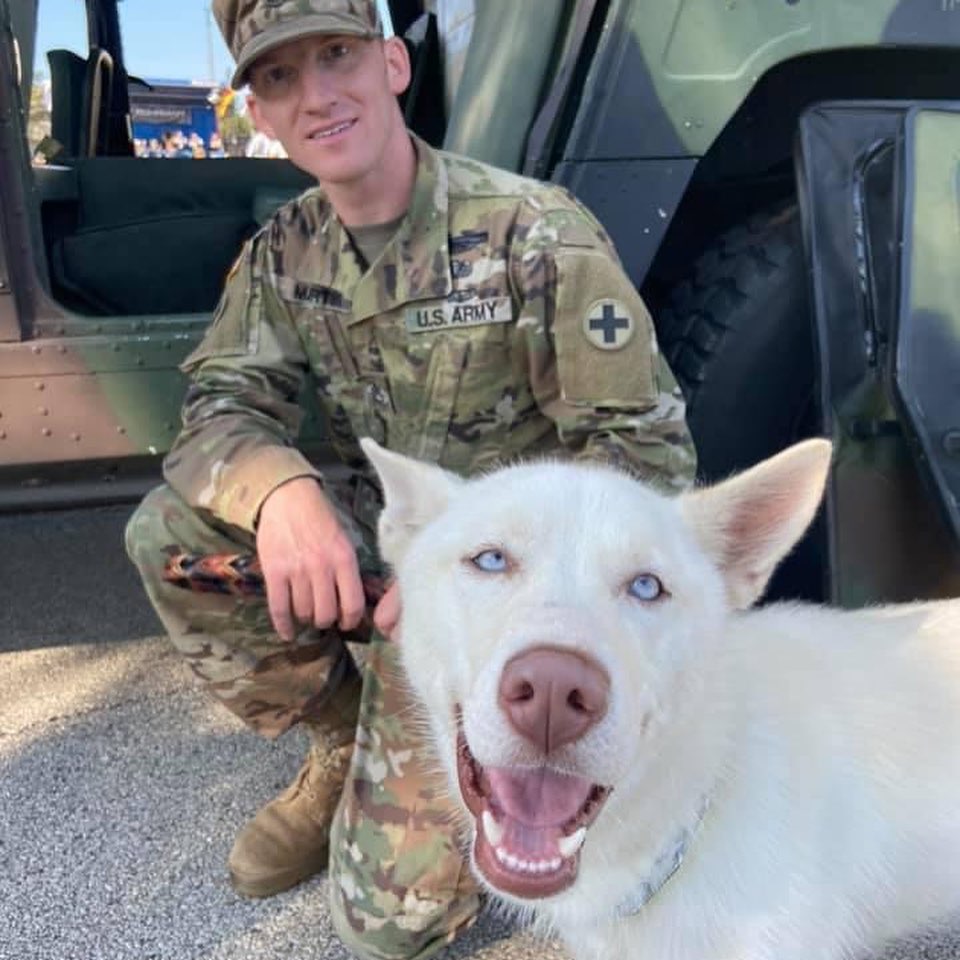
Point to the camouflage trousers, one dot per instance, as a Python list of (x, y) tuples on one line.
[(399, 885)]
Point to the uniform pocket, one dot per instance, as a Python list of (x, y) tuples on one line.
[(438, 379), (348, 371), (443, 383)]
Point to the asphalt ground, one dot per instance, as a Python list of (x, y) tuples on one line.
[(122, 785)]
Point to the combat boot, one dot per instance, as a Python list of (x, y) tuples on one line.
[(289, 839)]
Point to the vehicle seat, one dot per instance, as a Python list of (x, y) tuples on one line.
[(80, 93)]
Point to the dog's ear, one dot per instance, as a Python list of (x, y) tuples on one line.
[(413, 493), (749, 523)]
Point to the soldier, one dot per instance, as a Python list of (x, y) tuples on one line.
[(454, 312)]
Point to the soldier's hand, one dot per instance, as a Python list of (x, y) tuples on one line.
[(309, 564), (387, 614)]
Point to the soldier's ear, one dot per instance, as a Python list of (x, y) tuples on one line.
[(414, 493), (397, 58)]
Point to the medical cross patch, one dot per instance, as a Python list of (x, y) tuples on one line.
[(609, 325)]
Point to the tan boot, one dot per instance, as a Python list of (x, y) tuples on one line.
[(289, 839)]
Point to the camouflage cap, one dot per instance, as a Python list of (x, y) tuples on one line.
[(252, 27)]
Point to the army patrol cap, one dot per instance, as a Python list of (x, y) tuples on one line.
[(252, 27)]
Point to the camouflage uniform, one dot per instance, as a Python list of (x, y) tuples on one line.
[(497, 323)]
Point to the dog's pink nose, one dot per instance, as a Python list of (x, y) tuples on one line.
[(553, 696)]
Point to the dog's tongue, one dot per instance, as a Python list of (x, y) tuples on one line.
[(537, 797)]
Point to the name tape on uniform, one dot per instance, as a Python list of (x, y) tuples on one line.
[(448, 316)]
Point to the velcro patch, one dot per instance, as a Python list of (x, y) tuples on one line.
[(606, 347)]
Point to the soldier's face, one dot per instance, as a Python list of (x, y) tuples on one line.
[(331, 102)]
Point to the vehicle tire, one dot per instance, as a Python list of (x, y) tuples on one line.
[(738, 335)]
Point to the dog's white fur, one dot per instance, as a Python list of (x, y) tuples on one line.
[(827, 741)]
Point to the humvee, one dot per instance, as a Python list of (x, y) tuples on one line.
[(780, 178)]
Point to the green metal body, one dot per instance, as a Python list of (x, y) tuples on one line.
[(672, 119)]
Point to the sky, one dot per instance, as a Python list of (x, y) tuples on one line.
[(162, 39)]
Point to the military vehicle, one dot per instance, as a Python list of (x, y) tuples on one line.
[(779, 176)]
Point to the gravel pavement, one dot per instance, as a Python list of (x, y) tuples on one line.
[(122, 785)]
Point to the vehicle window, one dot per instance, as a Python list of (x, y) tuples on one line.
[(136, 215), (61, 25), (179, 68), (384, 7)]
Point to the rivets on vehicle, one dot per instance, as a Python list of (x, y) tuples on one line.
[(40, 385), (75, 437), (36, 348), (43, 411), (47, 432), (121, 430)]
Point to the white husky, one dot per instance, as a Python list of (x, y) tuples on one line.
[(652, 768)]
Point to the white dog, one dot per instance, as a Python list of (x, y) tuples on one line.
[(652, 768)]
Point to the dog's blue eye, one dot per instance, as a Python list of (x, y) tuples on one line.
[(491, 561), (645, 587)]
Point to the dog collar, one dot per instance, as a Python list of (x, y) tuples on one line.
[(664, 868)]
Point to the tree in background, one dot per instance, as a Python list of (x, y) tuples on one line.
[(233, 123), (38, 125)]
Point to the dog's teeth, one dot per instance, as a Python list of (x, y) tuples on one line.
[(492, 830), (568, 846), (527, 866)]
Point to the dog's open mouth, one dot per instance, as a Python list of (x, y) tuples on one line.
[(530, 823)]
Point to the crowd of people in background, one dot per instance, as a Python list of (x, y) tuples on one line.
[(175, 143)]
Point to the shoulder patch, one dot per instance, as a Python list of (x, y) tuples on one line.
[(603, 335), (575, 231), (609, 325), (564, 227)]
